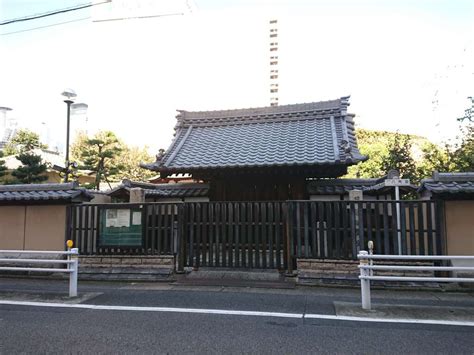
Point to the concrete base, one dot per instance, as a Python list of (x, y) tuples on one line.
[(317, 272), (127, 268), (235, 278)]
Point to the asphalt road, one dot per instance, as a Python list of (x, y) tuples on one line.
[(28, 329)]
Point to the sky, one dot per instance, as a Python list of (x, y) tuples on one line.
[(408, 65)]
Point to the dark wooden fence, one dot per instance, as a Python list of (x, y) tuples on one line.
[(235, 234), (159, 228), (265, 234), (339, 229)]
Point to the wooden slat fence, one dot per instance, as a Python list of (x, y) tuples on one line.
[(339, 229), (266, 234), (158, 225), (235, 234)]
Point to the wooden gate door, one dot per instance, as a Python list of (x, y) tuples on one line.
[(234, 235)]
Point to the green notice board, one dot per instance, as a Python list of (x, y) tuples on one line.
[(121, 227)]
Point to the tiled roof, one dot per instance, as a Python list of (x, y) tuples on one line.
[(69, 192), (164, 190), (179, 190), (449, 183), (368, 186), (307, 134), (339, 186)]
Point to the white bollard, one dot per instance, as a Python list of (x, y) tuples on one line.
[(74, 266), (364, 283)]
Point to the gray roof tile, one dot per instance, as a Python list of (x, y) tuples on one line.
[(449, 183), (164, 190), (43, 192), (343, 186), (339, 186), (304, 134), (449, 187)]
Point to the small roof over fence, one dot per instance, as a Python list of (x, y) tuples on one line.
[(178, 190), (372, 186), (302, 137), (449, 185), (43, 193)]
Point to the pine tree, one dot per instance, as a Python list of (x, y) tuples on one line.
[(99, 154), (31, 171), (24, 141)]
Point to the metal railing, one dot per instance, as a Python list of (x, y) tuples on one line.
[(72, 264), (366, 270)]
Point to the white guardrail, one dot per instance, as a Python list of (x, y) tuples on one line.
[(366, 270), (72, 263)]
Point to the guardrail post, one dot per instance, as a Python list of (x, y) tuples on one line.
[(74, 267), (364, 283)]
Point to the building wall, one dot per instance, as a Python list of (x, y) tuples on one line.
[(196, 199), (460, 227), (100, 198), (12, 227), (325, 198), (257, 189), (176, 199), (40, 227), (345, 197)]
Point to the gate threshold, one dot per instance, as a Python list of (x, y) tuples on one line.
[(236, 278)]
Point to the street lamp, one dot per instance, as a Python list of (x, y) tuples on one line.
[(69, 94)]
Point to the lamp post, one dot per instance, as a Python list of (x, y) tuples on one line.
[(69, 94)]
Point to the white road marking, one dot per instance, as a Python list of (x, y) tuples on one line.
[(238, 313), (155, 309), (390, 320)]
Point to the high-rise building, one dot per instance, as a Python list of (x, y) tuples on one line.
[(273, 62), (7, 126)]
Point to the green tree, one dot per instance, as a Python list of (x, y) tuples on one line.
[(130, 160), (23, 141), (99, 154), (31, 171), (3, 168), (374, 145), (451, 157), (440, 158), (463, 155), (400, 157)]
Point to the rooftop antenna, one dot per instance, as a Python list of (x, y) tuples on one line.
[(273, 45)]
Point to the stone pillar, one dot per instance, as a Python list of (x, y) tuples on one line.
[(137, 195), (356, 195)]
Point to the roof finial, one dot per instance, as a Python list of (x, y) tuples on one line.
[(160, 154)]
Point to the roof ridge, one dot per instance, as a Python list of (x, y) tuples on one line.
[(40, 187), (452, 177), (146, 185), (328, 182), (181, 186), (280, 109)]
